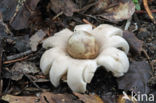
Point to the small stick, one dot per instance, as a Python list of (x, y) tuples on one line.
[(152, 65), (148, 11), (142, 11), (87, 22), (59, 14), (136, 27), (19, 55), (32, 81), (86, 7), (128, 23), (47, 31), (16, 60), (147, 56), (1, 54)]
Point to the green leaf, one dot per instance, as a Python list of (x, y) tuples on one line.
[(135, 1), (137, 5)]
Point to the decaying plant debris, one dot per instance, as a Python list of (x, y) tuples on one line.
[(24, 24)]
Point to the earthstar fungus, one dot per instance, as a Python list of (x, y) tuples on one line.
[(78, 54)]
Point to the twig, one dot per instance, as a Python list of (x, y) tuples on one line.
[(87, 22), (32, 81), (16, 60), (87, 7), (47, 31), (59, 14), (152, 65), (136, 27), (1, 54), (142, 11), (19, 55), (148, 11), (17, 9), (147, 56), (128, 23)]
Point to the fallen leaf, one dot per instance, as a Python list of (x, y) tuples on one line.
[(121, 10), (91, 98), (21, 19), (129, 99), (19, 69), (136, 78), (152, 80), (32, 4), (36, 39), (48, 97), (20, 99), (82, 3), (18, 43), (101, 5), (8, 8), (4, 30), (26, 67), (65, 6), (136, 45), (22, 43), (109, 98), (143, 33), (17, 12), (23, 12)]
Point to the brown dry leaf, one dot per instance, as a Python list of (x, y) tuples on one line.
[(22, 43), (48, 97), (122, 99), (4, 30), (114, 12), (65, 6), (152, 80), (91, 98), (7, 8), (24, 9), (19, 69), (135, 44), (136, 79), (36, 39), (109, 97), (20, 99), (101, 5), (25, 67)]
